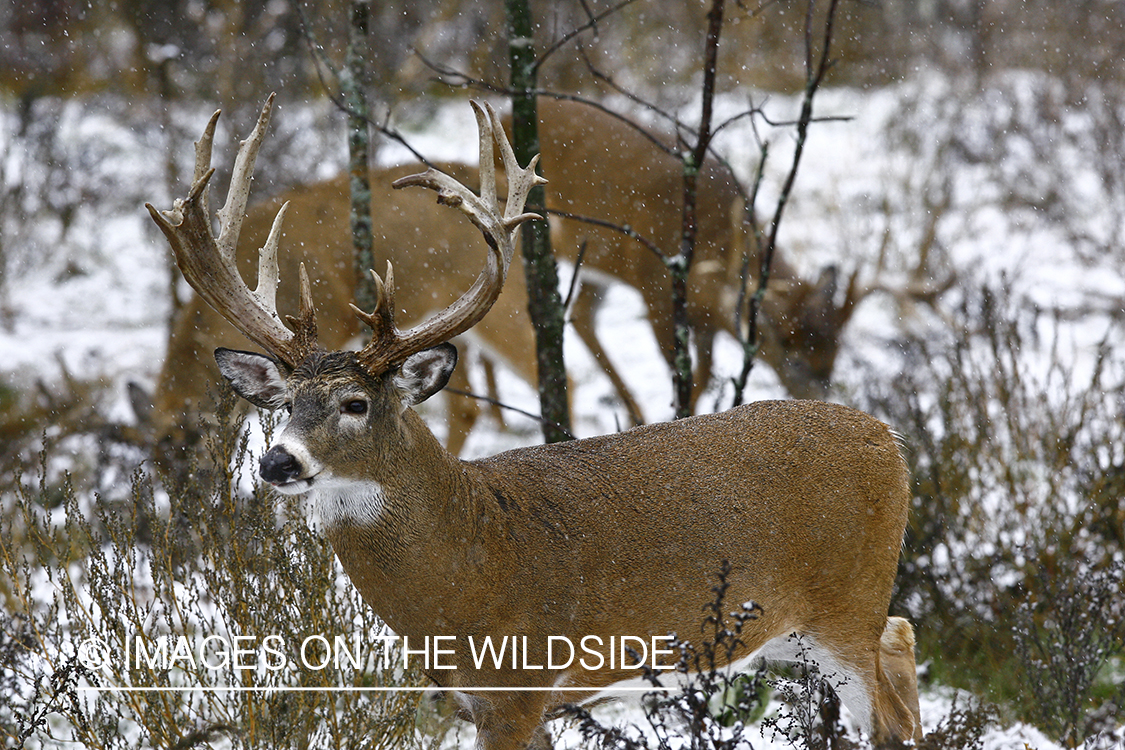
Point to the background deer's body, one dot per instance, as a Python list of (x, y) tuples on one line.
[(601, 168), (619, 535)]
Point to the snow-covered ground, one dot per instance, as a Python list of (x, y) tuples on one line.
[(872, 177)]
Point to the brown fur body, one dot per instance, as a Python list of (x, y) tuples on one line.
[(612, 537), (622, 535)]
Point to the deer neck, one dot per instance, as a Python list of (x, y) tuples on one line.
[(401, 533), (405, 484)]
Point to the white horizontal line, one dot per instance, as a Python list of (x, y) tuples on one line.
[(305, 689)]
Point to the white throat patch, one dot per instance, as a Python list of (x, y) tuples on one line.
[(353, 504)]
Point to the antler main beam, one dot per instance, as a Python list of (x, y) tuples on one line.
[(389, 345), (208, 262)]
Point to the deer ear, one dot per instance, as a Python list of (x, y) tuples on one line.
[(425, 373), (255, 377)]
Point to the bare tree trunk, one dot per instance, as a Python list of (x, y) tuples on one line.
[(679, 265), (544, 302), (353, 77)]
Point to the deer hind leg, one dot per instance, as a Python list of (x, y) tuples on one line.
[(509, 721), (897, 714), (583, 315), (875, 679)]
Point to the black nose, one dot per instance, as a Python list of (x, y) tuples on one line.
[(279, 466)]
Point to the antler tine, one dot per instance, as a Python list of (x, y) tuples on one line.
[(304, 325), (485, 161), (203, 148), (381, 319), (208, 263), (238, 195), (390, 346), (520, 181), (268, 273)]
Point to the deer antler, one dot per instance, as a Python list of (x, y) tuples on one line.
[(389, 345), (208, 263)]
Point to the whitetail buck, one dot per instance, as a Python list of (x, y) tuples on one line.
[(601, 168), (606, 537)]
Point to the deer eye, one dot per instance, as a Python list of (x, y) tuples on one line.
[(354, 406)]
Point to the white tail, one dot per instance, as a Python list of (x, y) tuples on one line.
[(609, 537)]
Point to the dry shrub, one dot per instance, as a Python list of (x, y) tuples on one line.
[(963, 728), (1014, 443), (1065, 636), (158, 568)]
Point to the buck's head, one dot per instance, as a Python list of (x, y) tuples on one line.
[(346, 409), (335, 406)]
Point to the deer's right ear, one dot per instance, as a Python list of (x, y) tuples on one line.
[(255, 377), (425, 373)]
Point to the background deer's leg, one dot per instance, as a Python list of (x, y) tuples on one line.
[(583, 315), (462, 411), (704, 337), (899, 674), (493, 390), (703, 331)]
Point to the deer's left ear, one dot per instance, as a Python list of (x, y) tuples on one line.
[(255, 377), (425, 373)]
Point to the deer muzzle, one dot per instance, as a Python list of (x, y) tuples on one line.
[(278, 466)]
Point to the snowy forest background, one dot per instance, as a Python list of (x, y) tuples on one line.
[(966, 162)]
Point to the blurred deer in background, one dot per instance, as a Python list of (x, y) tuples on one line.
[(606, 169), (805, 502), (601, 168)]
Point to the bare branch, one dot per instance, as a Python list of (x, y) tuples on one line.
[(815, 70), (624, 229), (592, 23), (496, 402)]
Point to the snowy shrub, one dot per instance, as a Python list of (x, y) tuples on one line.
[(1016, 449), (1065, 636), (174, 619), (703, 704)]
